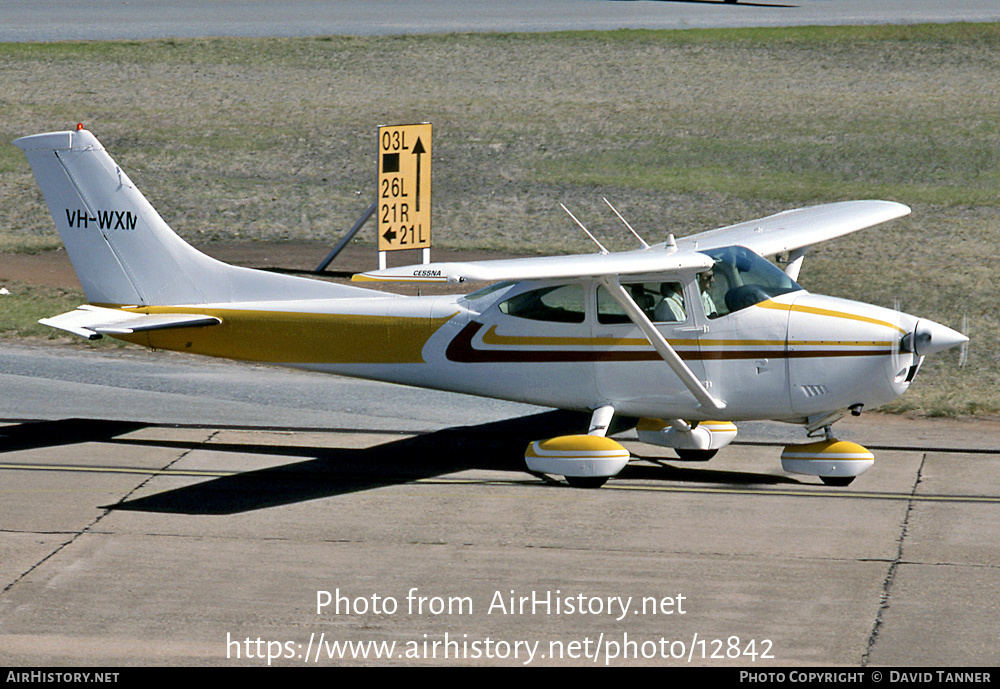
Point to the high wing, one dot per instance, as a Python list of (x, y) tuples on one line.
[(795, 229), (660, 260), (785, 231)]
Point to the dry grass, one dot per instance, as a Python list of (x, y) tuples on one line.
[(23, 305), (683, 131)]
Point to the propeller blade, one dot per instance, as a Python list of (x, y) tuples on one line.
[(963, 351)]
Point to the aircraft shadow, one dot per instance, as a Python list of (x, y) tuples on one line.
[(337, 471), (328, 472), (37, 434), (699, 473)]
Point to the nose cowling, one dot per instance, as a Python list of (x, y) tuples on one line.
[(929, 337), (842, 353)]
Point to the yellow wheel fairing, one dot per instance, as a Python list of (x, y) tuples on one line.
[(827, 458), (649, 424), (705, 435), (575, 444), (719, 426), (577, 456)]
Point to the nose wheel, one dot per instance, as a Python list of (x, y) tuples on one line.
[(837, 481), (586, 481)]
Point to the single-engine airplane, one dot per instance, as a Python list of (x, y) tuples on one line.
[(688, 336)]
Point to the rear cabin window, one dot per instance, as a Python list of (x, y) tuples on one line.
[(556, 304)]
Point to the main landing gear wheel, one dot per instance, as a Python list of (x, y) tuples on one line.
[(696, 455), (586, 481), (838, 481), (697, 441)]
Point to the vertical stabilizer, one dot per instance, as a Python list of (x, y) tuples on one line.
[(123, 251)]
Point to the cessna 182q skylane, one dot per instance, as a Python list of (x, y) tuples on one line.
[(689, 335)]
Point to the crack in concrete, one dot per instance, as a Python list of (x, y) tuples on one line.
[(890, 575), (106, 511)]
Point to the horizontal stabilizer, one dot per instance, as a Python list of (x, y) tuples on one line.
[(92, 322), (657, 261)]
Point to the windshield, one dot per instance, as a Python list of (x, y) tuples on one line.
[(738, 279), (488, 290)]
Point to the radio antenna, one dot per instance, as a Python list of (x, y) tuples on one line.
[(641, 240), (603, 250)]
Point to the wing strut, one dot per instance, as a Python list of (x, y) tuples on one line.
[(662, 347)]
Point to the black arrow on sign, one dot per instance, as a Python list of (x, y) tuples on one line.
[(418, 150), (389, 235)]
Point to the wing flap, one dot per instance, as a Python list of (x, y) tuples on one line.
[(92, 322), (657, 261)]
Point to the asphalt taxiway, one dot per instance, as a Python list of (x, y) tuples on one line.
[(164, 510), (49, 20)]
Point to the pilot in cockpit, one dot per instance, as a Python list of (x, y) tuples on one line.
[(671, 307), (706, 282)]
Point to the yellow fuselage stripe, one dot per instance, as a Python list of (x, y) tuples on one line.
[(305, 338), (828, 312), (296, 337)]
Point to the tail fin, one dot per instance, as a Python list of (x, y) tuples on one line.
[(123, 251)]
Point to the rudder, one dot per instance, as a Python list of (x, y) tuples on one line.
[(105, 222), (123, 251)]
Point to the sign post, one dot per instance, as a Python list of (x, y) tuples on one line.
[(404, 189)]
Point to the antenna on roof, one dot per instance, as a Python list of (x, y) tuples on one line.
[(641, 240), (603, 250)]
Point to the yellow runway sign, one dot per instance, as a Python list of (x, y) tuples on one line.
[(404, 187)]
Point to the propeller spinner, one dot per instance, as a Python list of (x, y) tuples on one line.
[(929, 337)]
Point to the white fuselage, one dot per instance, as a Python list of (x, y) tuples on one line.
[(788, 358)]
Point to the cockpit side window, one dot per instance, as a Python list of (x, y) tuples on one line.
[(739, 279), (662, 302), (557, 304)]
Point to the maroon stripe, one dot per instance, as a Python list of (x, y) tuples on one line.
[(461, 350)]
